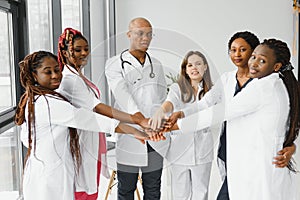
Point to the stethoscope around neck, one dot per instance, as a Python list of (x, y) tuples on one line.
[(123, 62)]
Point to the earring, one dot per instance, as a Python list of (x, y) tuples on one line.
[(35, 82)]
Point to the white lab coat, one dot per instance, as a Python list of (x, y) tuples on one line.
[(257, 120), (188, 148), (132, 95), (222, 91), (50, 171), (190, 155), (80, 95)]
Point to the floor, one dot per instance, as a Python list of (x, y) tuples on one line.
[(165, 188), (214, 186)]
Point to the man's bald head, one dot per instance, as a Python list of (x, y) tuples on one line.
[(138, 22)]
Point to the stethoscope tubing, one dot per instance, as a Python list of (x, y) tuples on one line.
[(123, 62)]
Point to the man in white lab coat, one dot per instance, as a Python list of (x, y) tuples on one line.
[(138, 84)]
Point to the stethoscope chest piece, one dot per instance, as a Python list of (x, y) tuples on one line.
[(152, 75)]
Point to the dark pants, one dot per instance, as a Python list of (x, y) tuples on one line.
[(151, 178), (223, 193)]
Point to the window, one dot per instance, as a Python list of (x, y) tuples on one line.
[(12, 50), (71, 14), (38, 22), (39, 25), (7, 74), (10, 163)]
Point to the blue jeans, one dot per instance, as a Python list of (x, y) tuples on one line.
[(151, 178)]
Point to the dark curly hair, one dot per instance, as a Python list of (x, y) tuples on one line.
[(249, 37)]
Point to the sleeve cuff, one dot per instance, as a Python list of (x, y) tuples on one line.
[(179, 123), (114, 124), (187, 111)]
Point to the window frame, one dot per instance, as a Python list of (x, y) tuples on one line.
[(19, 50)]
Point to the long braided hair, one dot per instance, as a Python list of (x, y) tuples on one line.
[(28, 66), (65, 43), (283, 55), (184, 80)]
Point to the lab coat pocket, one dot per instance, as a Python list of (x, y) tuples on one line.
[(204, 145), (133, 76)]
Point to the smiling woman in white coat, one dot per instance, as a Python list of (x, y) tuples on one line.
[(190, 154), (48, 130), (240, 48), (262, 119), (82, 93)]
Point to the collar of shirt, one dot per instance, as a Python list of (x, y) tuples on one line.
[(127, 56), (70, 70), (200, 88)]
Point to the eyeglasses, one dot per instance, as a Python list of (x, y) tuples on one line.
[(141, 34)]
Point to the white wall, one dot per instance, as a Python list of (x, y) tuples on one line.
[(205, 25)]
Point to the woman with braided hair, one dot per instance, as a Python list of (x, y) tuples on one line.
[(261, 119), (49, 125), (190, 154), (73, 51)]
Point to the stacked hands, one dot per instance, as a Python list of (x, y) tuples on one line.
[(154, 128)]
